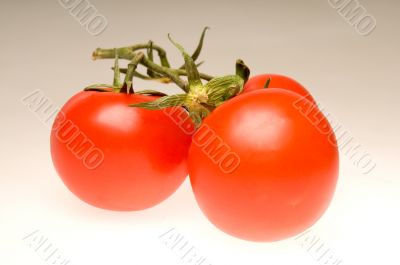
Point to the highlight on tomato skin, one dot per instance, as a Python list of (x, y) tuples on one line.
[(142, 154), (288, 166), (276, 81)]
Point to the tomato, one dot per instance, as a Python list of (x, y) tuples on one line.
[(276, 81), (118, 157), (264, 165)]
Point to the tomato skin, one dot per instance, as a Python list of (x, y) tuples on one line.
[(287, 172), (144, 151), (277, 81)]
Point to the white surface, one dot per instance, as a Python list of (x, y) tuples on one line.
[(355, 77)]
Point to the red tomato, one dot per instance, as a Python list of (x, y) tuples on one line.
[(276, 81), (118, 157), (263, 166)]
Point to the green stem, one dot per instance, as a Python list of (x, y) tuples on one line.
[(117, 73), (127, 86), (166, 72), (123, 53), (149, 51), (161, 52), (180, 72), (191, 69), (126, 53), (138, 75), (199, 47)]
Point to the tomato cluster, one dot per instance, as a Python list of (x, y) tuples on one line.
[(259, 166)]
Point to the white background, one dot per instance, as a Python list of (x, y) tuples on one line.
[(356, 79)]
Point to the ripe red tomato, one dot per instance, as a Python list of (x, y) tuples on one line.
[(117, 157), (263, 166), (276, 81)]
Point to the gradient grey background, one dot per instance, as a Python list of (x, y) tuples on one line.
[(354, 77)]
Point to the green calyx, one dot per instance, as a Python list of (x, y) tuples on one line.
[(201, 99)]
